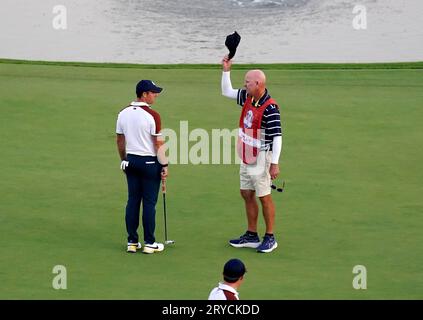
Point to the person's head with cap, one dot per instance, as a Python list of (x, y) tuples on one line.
[(147, 91), (233, 271)]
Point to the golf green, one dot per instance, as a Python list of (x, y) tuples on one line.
[(352, 162)]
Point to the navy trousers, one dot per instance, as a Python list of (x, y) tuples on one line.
[(143, 177)]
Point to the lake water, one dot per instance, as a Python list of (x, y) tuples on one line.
[(193, 31)]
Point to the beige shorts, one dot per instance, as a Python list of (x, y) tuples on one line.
[(256, 176)]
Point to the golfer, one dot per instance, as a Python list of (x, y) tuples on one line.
[(143, 162), (259, 146), (233, 276)]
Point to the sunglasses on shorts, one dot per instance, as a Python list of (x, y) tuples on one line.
[(278, 189)]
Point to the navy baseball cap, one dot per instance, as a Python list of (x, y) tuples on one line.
[(146, 86), (233, 270), (232, 42)]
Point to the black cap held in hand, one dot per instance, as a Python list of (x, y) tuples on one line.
[(232, 42)]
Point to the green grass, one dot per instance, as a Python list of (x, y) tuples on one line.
[(265, 66), (352, 162)]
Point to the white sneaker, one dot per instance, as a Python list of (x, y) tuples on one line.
[(133, 247), (154, 247)]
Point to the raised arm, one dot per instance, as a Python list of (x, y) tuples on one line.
[(227, 89)]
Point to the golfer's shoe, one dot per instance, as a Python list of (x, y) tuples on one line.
[(152, 248), (133, 247), (268, 245), (245, 241)]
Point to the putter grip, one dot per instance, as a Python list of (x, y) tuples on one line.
[(163, 186)]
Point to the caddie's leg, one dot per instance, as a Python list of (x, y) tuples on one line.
[(251, 208), (268, 212)]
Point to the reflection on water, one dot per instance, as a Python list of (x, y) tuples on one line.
[(193, 31)]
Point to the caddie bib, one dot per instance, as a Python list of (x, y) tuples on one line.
[(249, 135)]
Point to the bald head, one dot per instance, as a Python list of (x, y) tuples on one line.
[(257, 75), (255, 83)]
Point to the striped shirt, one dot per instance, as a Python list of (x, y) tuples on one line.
[(271, 121)]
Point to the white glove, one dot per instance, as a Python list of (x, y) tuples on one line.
[(124, 164)]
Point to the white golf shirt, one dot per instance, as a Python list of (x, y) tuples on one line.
[(218, 293), (138, 122)]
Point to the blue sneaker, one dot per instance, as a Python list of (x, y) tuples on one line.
[(268, 245), (245, 241)]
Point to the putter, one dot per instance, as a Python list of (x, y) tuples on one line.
[(164, 212)]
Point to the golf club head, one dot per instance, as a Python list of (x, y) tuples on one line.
[(169, 241)]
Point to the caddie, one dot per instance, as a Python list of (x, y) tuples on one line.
[(259, 147)]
